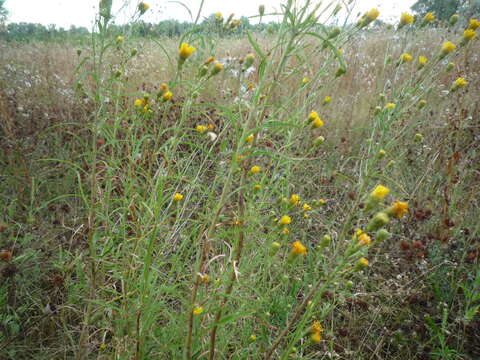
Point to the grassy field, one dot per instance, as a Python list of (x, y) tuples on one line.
[(308, 194)]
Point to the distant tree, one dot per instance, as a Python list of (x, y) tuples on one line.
[(3, 11), (443, 9)]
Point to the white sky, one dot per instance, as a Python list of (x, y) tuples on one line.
[(81, 12)]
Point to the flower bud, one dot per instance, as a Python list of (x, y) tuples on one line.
[(261, 10), (377, 222), (274, 247), (382, 235), (203, 71), (319, 141), (418, 137), (361, 264), (326, 241), (249, 59), (422, 103)]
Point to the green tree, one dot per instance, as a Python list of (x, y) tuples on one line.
[(3, 11), (443, 9)]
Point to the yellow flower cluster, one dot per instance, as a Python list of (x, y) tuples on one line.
[(315, 119), (368, 17), (447, 48), (185, 52), (298, 248), (405, 19), (316, 331)]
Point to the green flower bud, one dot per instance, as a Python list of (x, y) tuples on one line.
[(274, 247), (249, 59), (319, 141), (382, 235), (377, 222), (326, 241), (341, 71), (334, 33), (261, 10), (453, 19), (418, 137), (203, 71)]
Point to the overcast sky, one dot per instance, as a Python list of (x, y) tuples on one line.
[(81, 12)]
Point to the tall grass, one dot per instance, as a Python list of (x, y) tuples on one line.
[(161, 204)]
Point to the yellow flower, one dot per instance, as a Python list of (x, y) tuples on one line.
[(372, 14), (305, 80), (473, 24), (340, 51), (307, 207), (316, 337), (398, 209), (380, 192), (143, 7), (167, 96), (185, 51), (382, 153), (364, 239), (255, 169), (120, 38), (405, 57), (362, 263), (327, 99), (469, 34), (201, 128), (460, 82), (217, 67), (448, 47), (298, 248), (209, 60), (177, 197), (163, 87), (285, 220), (313, 115), (285, 231), (422, 61), (322, 201), (253, 337), (429, 17), (390, 106), (316, 327), (197, 310), (406, 19), (250, 138), (317, 123), (218, 15), (257, 187), (139, 102), (295, 199)]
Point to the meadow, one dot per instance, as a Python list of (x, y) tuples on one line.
[(310, 193)]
